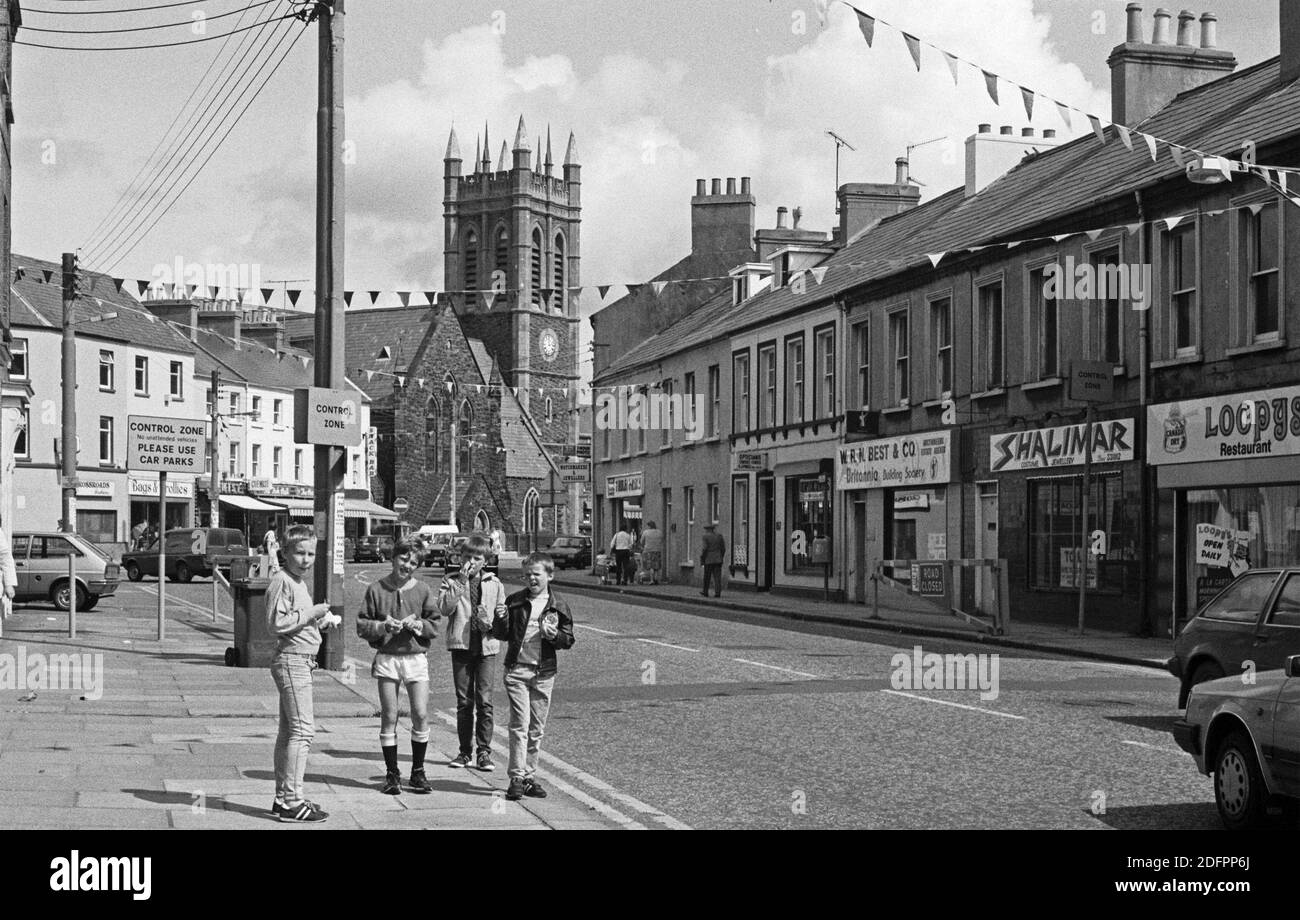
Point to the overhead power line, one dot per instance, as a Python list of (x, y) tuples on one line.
[(169, 25), (192, 41), (137, 9)]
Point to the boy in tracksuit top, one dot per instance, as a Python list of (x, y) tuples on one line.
[(399, 619), (471, 600), (536, 623)]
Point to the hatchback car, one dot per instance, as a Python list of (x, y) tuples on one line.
[(373, 547), (570, 552), (1252, 624), (190, 551), (41, 563), (1247, 734)]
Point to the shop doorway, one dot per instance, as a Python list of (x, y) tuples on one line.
[(986, 546), (766, 532), (859, 561)]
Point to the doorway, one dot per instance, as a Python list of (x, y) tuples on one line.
[(858, 564), (986, 546), (767, 534)]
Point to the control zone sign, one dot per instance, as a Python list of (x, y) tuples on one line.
[(159, 444)]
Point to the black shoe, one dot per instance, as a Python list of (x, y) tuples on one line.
[(302, 813), (534, 789), (460, 760), (518, 787), (485, 761), (419, 782), (278, 808), (393, 783), (704, 594)]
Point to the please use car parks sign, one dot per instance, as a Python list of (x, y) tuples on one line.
[(164, 445)]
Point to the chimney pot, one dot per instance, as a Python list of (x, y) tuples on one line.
[(797, 214), (1134, 11), (699, 187), (1209, 30), (901, 171), (1160, 34), (717, 186), (1026, 132), (1185, 20), (780, 217), (731, 186), (985, 129), (1049, 133), (1007, 130), (744, 185)]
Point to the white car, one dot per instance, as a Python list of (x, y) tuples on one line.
[(1248, 736)]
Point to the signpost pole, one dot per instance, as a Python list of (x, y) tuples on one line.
[(72, 593), (69, 439), (162, 553), (1081, 559)]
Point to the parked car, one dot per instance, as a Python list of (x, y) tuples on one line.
[(1255, 619), (570, 552), (454, 557), (373, 547), (437, 549), (41, 563), (190, 551), (1248, 736)]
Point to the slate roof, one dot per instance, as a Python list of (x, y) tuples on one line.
[(250, 362), (399, 329), (38, 303), (1056, 188)]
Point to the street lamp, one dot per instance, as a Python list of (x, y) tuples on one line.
[(1211, 170)]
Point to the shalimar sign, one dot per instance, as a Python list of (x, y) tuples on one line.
[(1263, 423), (1112, 442)]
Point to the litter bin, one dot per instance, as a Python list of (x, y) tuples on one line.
[(254, 644)]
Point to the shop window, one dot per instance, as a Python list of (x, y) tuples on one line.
[(97, 526), (688, 535), (1263, 523), (808, 509), (740, 521), (713, 503), (1054, 533)]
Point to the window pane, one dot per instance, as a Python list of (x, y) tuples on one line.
[(1243, 600), (1266, 238), (1264, 288), (1286, 609)]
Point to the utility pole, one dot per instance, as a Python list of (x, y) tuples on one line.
[(451, 515), (327, 575), (214, 447), (69, 439)]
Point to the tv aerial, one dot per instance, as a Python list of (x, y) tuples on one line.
[(839, 142), (911, 147)]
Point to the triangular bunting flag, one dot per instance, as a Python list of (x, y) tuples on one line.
[(1014, 244), (489, 298), (1064, 111), (1097, 129), (1061, 236), (347, 298), (431, 297), (934, 258), (819, 273), (370, 375), (1218, 213), (1151, 146), (602, 290), (659, 287), (914, 46), (1133, 228), (1028, 96), (1173, 222), (991, 84), (1093, 234), (189, 290), (952, 65), (515, 391), (1179, 157), (420, 381), (1255, 208), (48, 274), (19, 272), (868, 26), (142, 286), (1124, 137), (117, 285), (374, 295), (293, 296), (404, 297), (266, 295)]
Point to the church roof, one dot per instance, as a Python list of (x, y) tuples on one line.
[(384, 340), (523, 452)]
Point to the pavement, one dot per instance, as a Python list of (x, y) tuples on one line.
[(898, 614), (175, 739)]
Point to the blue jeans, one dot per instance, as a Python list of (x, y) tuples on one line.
[(530, 700), (291, 672), (472, 675)]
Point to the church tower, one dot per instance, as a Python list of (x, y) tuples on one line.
[(511, 258)]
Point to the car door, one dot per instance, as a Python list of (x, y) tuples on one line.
[(1285, 749), (1227, 626), (22, 546), (1278, 637), (48, 562)]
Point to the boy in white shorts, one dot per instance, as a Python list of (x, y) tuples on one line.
[(399, 619)]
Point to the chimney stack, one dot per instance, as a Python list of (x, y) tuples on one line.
[(862, 204), (731, 186), (1290, 15), (1145, 77), (722, 222), (717, 186), (989, 155), (780, 218), (901, 171)]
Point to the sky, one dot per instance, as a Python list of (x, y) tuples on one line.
[(657, 95)]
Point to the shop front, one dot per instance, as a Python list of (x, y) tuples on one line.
[(143, 491), (1228, 474), (898, 505), (625, 493)]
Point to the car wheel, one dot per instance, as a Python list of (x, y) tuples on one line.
[(62, 597), (133, 571), (1206, 670), (183, 573), (91, 601), (1238, 786), (232, 657)]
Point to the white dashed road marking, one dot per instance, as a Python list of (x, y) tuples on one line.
[(759, 664), (603, 632), (1156, 747), (926, 699), (668, 645)]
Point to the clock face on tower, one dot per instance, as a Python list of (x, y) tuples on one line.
[(549, 343)]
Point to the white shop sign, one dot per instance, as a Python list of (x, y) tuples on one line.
[(1044, 448), (912, 460), (627, 485), (1262, 423), (148, 488)]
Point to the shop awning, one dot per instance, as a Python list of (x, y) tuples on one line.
[(362, 508), (248, 503), (632, 510), (297, 507)]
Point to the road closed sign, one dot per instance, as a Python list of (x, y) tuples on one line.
[(324, 416), (164, 445)]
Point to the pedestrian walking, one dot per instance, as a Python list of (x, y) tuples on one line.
[(271, 549), (296, 623), (536, 623), (652, 551), (713, 551), (8, 574), (399, 618), (137, 534), (621, 549), (471, 600)]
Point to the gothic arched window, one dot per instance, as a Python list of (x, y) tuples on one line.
[(434, 426), (550, 411), (466, 427), (535, 256), (471, 261), (502, 257), (446, 416), (557, 282), (532, 515)]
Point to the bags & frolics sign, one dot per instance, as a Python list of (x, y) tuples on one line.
[(1265, 423)]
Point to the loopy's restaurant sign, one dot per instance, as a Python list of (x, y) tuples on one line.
[(1264, 423)]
